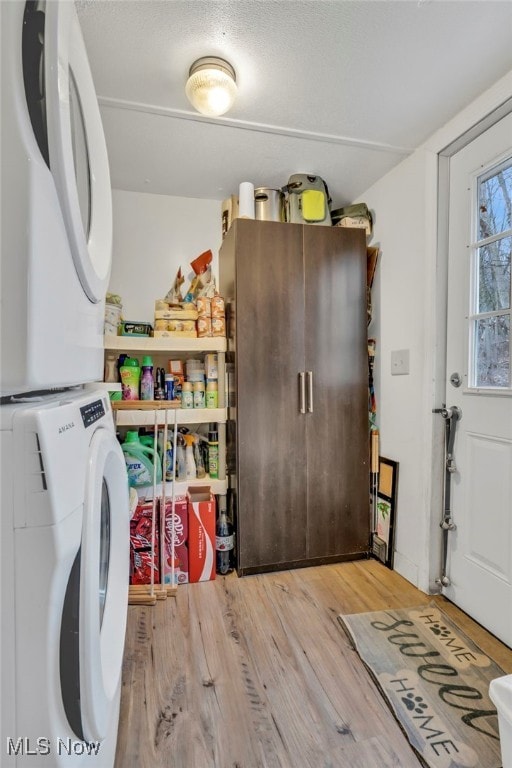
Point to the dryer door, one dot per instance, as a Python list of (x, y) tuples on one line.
[(77, 150), (103, 582)]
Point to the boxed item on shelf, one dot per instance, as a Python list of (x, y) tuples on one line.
[(217, 306), (176, 368), (181, 325), (218, 326), (201, 533), (180, 540), (204, 326), (175, 334), (211, 366), (142, 558), (135, 328), (229, 211), (176, 313)]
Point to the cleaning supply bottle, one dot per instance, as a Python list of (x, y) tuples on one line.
[(147, 385), (140, 460), (190, 462), (198, 457), (166, 454), (213, 451), (181, 466), (130, 378)]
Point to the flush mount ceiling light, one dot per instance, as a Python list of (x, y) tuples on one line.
[(211, 86)]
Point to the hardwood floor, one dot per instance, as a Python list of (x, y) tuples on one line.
[(256, 672)]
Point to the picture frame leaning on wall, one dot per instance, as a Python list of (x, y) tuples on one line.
[(387, 492)]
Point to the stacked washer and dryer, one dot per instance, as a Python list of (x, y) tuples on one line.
[(64, 514)]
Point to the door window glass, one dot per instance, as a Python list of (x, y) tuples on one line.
[(492, 256), (80, 155), (104, 548)]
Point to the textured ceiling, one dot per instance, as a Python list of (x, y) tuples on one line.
[(341, 88)]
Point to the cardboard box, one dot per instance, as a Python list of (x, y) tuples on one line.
[(174, 334), (201, 533), (229, 212), (141, 550), (180, 540)]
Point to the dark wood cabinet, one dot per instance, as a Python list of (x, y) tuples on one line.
[(298, 411)]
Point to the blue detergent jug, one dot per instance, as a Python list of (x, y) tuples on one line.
[(140, 461)]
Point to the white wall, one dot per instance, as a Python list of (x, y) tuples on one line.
[(398, 323), (153, 236), (408, 299)]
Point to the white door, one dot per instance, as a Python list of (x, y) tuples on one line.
[(479, 564)]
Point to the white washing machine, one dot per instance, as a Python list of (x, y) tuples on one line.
[(64, 581), (56, 203)]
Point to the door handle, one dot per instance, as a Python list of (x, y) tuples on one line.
[(302, 392), (310, 391)]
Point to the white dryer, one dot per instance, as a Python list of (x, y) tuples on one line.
[(56, 203), (64, 581)]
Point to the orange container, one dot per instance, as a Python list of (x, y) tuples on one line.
[(201, 263)]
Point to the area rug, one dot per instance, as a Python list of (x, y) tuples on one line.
[(436, 681)]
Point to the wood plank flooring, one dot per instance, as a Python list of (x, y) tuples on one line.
[(257, 673)]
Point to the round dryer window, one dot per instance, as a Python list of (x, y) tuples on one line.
[(94, 615), (77, 149)]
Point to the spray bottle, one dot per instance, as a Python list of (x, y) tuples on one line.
[(190, 463)]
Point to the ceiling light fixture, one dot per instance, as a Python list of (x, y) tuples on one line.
[(211, 86)]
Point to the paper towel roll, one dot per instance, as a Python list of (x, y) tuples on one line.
[(246, 200)]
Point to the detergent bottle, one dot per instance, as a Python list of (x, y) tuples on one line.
[(140, 461), (130, 378), (147, 385)]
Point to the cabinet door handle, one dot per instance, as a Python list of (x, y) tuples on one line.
[(302, 392), (310, 391)]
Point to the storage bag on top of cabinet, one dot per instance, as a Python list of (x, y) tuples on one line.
[(308, 200)]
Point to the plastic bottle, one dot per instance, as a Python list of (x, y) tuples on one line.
[(169, 386), (120, 363), (177, 388), (212, 395), (181, 467), (166, 454), (224, 539), (130, 378), (187, 397), (199, 400), (198, 456), (147, 385), (190, 462), (140, 461), (213, 451)]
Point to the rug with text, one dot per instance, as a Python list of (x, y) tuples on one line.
[(436, 681)]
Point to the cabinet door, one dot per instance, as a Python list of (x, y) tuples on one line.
[(271, 448), (336, 355)]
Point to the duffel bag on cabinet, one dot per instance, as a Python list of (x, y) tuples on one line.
[(307, 200)]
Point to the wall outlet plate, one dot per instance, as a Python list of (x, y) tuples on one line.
[(400, 362)]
